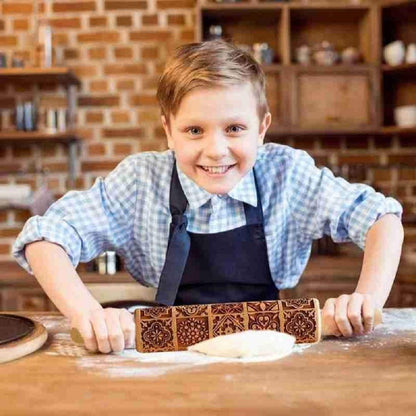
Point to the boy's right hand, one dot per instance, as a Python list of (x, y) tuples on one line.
[(106, 330)]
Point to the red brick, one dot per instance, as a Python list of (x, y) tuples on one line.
[(125, 5), (22, 215), (143, 100), (150, 53), (304, 143), (380, 174), (124, 21), (122, 149), (91, 166), (49, 150), (121, 69), (120, 117), (123, 52), (97, 21), (175, 4), (97, 53), (99, 86), (84, 70), (5, 249), (94, 117), (176, 19), (102, 36), (71, 53), (152, 19), (55, 166), (407, 174), (104, 101), (403, 159), (68, 23), (20, 24), (150, 83), (9, 232), (8, 40), (124, 132), (162, 35), (362, 159), (60, 39), (74, 6), (17, 8), (96, 149), (22, 151), (125, 84), (187, 36)]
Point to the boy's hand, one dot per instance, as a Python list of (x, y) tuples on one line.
[(350, 315), (106, 330)]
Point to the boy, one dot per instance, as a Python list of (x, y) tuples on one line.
[(239, 216)]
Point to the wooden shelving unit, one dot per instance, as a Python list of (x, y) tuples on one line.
[(40, 76), (56, 75), (339, 99)]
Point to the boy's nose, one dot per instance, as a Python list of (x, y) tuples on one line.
[(217, 147)]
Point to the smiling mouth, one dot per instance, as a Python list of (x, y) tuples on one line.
[(219, 170)]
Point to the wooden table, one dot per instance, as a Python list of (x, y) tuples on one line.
[(369, 375)]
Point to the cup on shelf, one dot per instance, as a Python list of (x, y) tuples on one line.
[(394, 53), (411, 53), (405, 116)]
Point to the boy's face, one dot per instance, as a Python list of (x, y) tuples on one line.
[(215, 135)]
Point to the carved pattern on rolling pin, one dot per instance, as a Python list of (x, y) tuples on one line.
[(176, 328)]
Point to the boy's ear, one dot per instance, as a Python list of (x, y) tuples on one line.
[(264, 125), (166, 127)]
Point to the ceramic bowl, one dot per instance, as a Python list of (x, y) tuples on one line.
[(405, 116)]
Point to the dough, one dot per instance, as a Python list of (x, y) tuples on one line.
[(247, 344)]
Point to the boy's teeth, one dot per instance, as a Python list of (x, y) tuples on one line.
[(216, 169)]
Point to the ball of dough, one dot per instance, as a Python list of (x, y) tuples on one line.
[(247, 344)]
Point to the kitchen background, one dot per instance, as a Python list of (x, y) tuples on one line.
[(77, 95)]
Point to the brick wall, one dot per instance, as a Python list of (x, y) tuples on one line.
[(118, 49)]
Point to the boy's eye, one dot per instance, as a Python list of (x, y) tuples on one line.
[(235, 129), (193, 130)]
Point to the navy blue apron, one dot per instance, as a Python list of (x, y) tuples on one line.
[(229, 266)]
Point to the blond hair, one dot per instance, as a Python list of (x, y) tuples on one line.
[(214, 63)]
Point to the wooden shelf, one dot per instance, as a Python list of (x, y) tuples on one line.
[(400, 69), (15, 136), (398, 130), (281, 131), (39, 76)]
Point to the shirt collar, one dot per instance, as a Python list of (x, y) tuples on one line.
[(244, 191)]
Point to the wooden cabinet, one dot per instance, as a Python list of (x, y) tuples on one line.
[(307, 99), (29, 80)]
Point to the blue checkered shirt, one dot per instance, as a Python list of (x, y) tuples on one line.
[(128, 211)]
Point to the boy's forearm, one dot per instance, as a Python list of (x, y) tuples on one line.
[(59, 279), (381, 258)]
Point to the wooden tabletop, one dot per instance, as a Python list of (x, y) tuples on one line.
[(369, 375)]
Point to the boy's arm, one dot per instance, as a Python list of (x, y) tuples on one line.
[(102, 329), (381, 259)]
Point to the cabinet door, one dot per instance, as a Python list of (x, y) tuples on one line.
[(334, 98)]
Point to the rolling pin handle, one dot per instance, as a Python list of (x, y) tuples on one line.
[(378, 319)]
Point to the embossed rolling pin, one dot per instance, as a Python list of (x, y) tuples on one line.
[(174, 328)]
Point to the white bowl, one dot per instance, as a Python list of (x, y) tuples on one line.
[(405, 115)]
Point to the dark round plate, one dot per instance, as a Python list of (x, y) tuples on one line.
[(14, 327)]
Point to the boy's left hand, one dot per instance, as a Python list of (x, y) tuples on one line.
[(350, 315)]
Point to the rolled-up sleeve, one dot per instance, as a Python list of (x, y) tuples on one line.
[(324, 204), (86, 223)]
